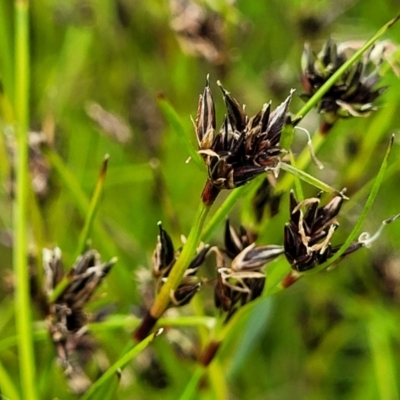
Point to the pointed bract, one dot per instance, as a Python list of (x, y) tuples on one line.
[(244, 147)]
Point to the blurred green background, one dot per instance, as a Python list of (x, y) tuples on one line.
[(97, 69)]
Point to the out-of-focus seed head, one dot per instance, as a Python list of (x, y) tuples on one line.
[(200, 30), (66, 318), (83, 279), (353, 95)]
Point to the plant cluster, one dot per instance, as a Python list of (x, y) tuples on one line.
[(341, 81)]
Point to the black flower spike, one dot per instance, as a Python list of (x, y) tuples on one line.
[(239, 267), (353, 94), (164, 258), (307, 235), (243, 148)]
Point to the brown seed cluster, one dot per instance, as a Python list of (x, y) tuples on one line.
[(308, 233), (240, 275), (243, 147), (353, 94)]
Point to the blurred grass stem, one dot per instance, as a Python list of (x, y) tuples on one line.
[(20, 256)]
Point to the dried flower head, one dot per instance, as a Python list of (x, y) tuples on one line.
[(164, 258), (239, 267), (244, 147), (39, 167), (200, 30), (308, 234), (353, 94), (66, 317)]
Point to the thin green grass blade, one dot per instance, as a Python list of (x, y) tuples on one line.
[(8, 389), (91, 213), (94, 205), (125, 359), (11, 341), (68, 180), (297, 182), (82, 203), (173, 119), (6, 50), (383, 356), (302, 162), (256, 325), (131, 322), (368, 204), (109, 393), (191, 388), (307, 178)]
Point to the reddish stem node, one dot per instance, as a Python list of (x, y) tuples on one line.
[(210, 193), (145, 327), (209, 353), (290, 278)]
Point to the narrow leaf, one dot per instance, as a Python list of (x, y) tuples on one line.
[(94, 204), (119, 364), (364, 213), (173, 119), (307, 178)]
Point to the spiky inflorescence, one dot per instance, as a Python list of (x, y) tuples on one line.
[(308, 234), (164, 258), (239, 266), (244, 147)]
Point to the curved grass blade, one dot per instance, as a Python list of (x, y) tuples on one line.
[(368, 204), (119, 364), (82, 203), (173, 119), (91, 213)]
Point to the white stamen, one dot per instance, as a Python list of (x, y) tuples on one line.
[(310, 148), (366, 239)]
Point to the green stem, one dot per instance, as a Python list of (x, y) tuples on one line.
[(115, 369), (20, 257), (175, 276), (222, 212)]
